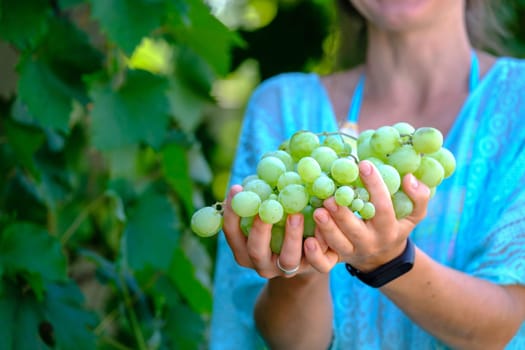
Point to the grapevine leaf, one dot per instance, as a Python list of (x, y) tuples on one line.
[(206, 35), (184, 328), (137, 111), (64, 306), (141, 18), (23, 23), (186, 105), (176, 170), (65, 4), (28, 249), (24, 141), (20, 317), (49, 100), (182, 272), (150, 236), (29, 324)]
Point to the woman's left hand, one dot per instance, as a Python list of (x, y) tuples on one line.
[(367, 244)]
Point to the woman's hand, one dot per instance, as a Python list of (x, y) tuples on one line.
[(371, 243), (254, 251)]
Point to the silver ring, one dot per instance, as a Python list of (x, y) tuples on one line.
[(285, 271)]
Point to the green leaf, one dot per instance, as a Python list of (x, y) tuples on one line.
[(24, 141), (59, 322), (137, 111), (176, 170), (20, 317), (23, 23), (65, 4), (206, 35), (182, 273), (72, 325), (150, 236), (49, 100), (28, 249), (140, 19), (186, 105), (184, 328)]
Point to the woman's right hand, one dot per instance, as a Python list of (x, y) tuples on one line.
[(254, 251)]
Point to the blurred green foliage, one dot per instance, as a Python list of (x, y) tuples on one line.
[(117, 119)]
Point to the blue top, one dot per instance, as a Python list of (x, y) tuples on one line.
[(475, 221)]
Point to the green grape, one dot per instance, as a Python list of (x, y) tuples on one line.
[(206, 222), (271, 211), (402, 204), (277, 239), (309, 223), (427, 140), (357, 204), (325, 156), (284, 156), (385, 140), (302, 143), (335, 142), (344, 196), (368, 211), (289, 177), (293, 198), (269, 169), (361, 192), (344, 171), (430, 172), (404, 128), (308, 169), (316, 202), (246, 203), (446, 159), (390, 177), (376, 161), (260, 187), (432, 192), (365, 135), (405, 159), (249, 178), (246, 224), (364, 150), (323, 187)]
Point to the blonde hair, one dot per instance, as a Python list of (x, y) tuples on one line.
[(484, 27)]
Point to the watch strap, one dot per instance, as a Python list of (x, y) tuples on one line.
[(389, 271)]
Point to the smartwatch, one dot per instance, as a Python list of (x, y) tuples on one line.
[(389, 271)]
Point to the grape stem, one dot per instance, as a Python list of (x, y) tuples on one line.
[(338, 133), (219, 206)]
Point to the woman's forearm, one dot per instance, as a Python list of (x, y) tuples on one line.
[(296, 313), (463, 311)]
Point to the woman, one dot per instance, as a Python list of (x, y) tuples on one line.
[(465, 288)]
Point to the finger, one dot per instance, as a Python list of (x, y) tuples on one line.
[(419, 193), (258, 246), (331, 233), (319, 260), (347, 222), (379, 194), (232, 232), (291, 251)]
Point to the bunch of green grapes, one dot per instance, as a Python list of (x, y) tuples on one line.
[(311, 167)]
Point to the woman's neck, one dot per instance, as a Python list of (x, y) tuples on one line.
[(418, 64)]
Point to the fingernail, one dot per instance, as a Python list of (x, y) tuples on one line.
[(366, 168), (330, 205), (295, 220), (310, 245), (413, 182), (321, 218)]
